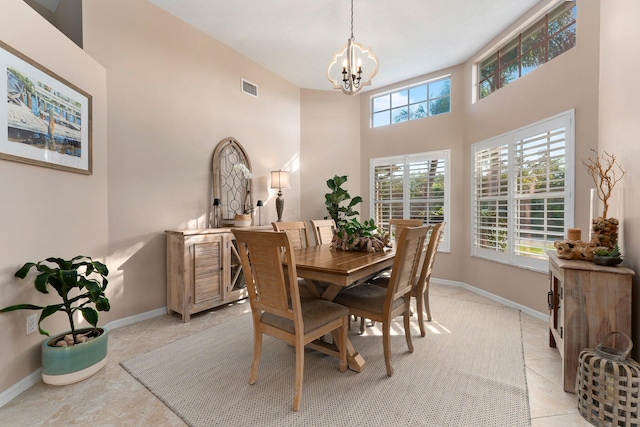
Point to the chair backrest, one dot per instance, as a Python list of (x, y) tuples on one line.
[(323, 230), (270, 284), (430, 255), (396, 226), (405, 265), (296, 230)]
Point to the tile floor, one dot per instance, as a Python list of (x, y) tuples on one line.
[(113, 398)]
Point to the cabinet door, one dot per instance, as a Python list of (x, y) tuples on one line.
[(237, 284), (207, 268)]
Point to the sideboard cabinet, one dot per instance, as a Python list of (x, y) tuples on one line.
[(586, 302), (203, 270)]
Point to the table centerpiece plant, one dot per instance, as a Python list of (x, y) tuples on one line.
[(360, 236)]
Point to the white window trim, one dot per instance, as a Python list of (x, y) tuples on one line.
[(407, 87), (445, 243), (504, 40), (566, 119)]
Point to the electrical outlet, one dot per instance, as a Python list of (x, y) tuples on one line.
[(32, 323)]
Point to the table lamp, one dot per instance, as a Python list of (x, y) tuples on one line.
[(280, 180)]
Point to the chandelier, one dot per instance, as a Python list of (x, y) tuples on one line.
[(353, 56)]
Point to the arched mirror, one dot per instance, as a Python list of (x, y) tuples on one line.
[(232, 183)]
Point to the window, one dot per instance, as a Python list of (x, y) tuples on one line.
[(552, 35), (522, 192), (412, 186), (416, 102)]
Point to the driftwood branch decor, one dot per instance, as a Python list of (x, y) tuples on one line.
[(606, 172), (357, 236)]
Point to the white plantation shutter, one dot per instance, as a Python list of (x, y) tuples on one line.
[(539, 192), (412, 186), (491, 194), (426, 180), (523, 192), (388, 191)]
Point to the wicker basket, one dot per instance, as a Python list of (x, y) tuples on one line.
[(608, 384)]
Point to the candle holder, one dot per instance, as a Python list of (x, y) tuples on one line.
[(216, 219), (260, 204)]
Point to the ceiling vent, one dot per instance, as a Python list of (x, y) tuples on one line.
[(249, 88)]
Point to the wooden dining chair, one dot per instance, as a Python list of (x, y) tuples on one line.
[(276, 306), (396, 225), (323, 230), (421, 288), (296, 230), (299, 237), (384, 304)]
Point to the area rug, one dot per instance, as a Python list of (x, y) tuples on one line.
[(467, 371)]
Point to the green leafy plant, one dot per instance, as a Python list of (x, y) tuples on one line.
[(335, 200), (356, 235), (81, 274), (606, 252)]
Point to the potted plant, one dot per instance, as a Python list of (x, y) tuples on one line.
[(80, 282), (606, 256), (360, 236), (334, 201)]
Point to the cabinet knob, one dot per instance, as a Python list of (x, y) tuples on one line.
[(550, 300)]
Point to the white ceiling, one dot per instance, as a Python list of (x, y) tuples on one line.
[(296, 39)]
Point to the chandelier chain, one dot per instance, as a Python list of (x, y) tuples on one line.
[(352, 37)]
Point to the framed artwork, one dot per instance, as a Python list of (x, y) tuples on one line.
[(46, 120)]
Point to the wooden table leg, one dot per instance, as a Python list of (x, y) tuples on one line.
[(355, 359)]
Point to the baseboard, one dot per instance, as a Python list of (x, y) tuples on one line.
[(119, 323), (33, 378), (22, 385), (542, 316)]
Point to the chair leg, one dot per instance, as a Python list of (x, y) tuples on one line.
[(386, 345), (299, 375), (257, 354), (407, 330), (362, 324), (420, 309), (426, 302), (342, 345)]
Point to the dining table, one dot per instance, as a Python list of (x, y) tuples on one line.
[(327, 270)]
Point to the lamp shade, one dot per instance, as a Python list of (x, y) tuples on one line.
[(280, 179)]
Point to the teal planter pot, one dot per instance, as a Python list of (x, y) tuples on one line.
[(68, 365)]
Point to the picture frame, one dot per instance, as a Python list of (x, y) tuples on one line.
[(45, 120)]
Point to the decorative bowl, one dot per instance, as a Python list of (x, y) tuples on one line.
[(607, 260)]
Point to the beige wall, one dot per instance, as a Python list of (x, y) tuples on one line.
[(46, 212), (172, 94), (619, 127), (330, 145), (569, 81)]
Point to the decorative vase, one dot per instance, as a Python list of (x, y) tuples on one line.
[(242, 220), (68, 365), (605, 231)]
